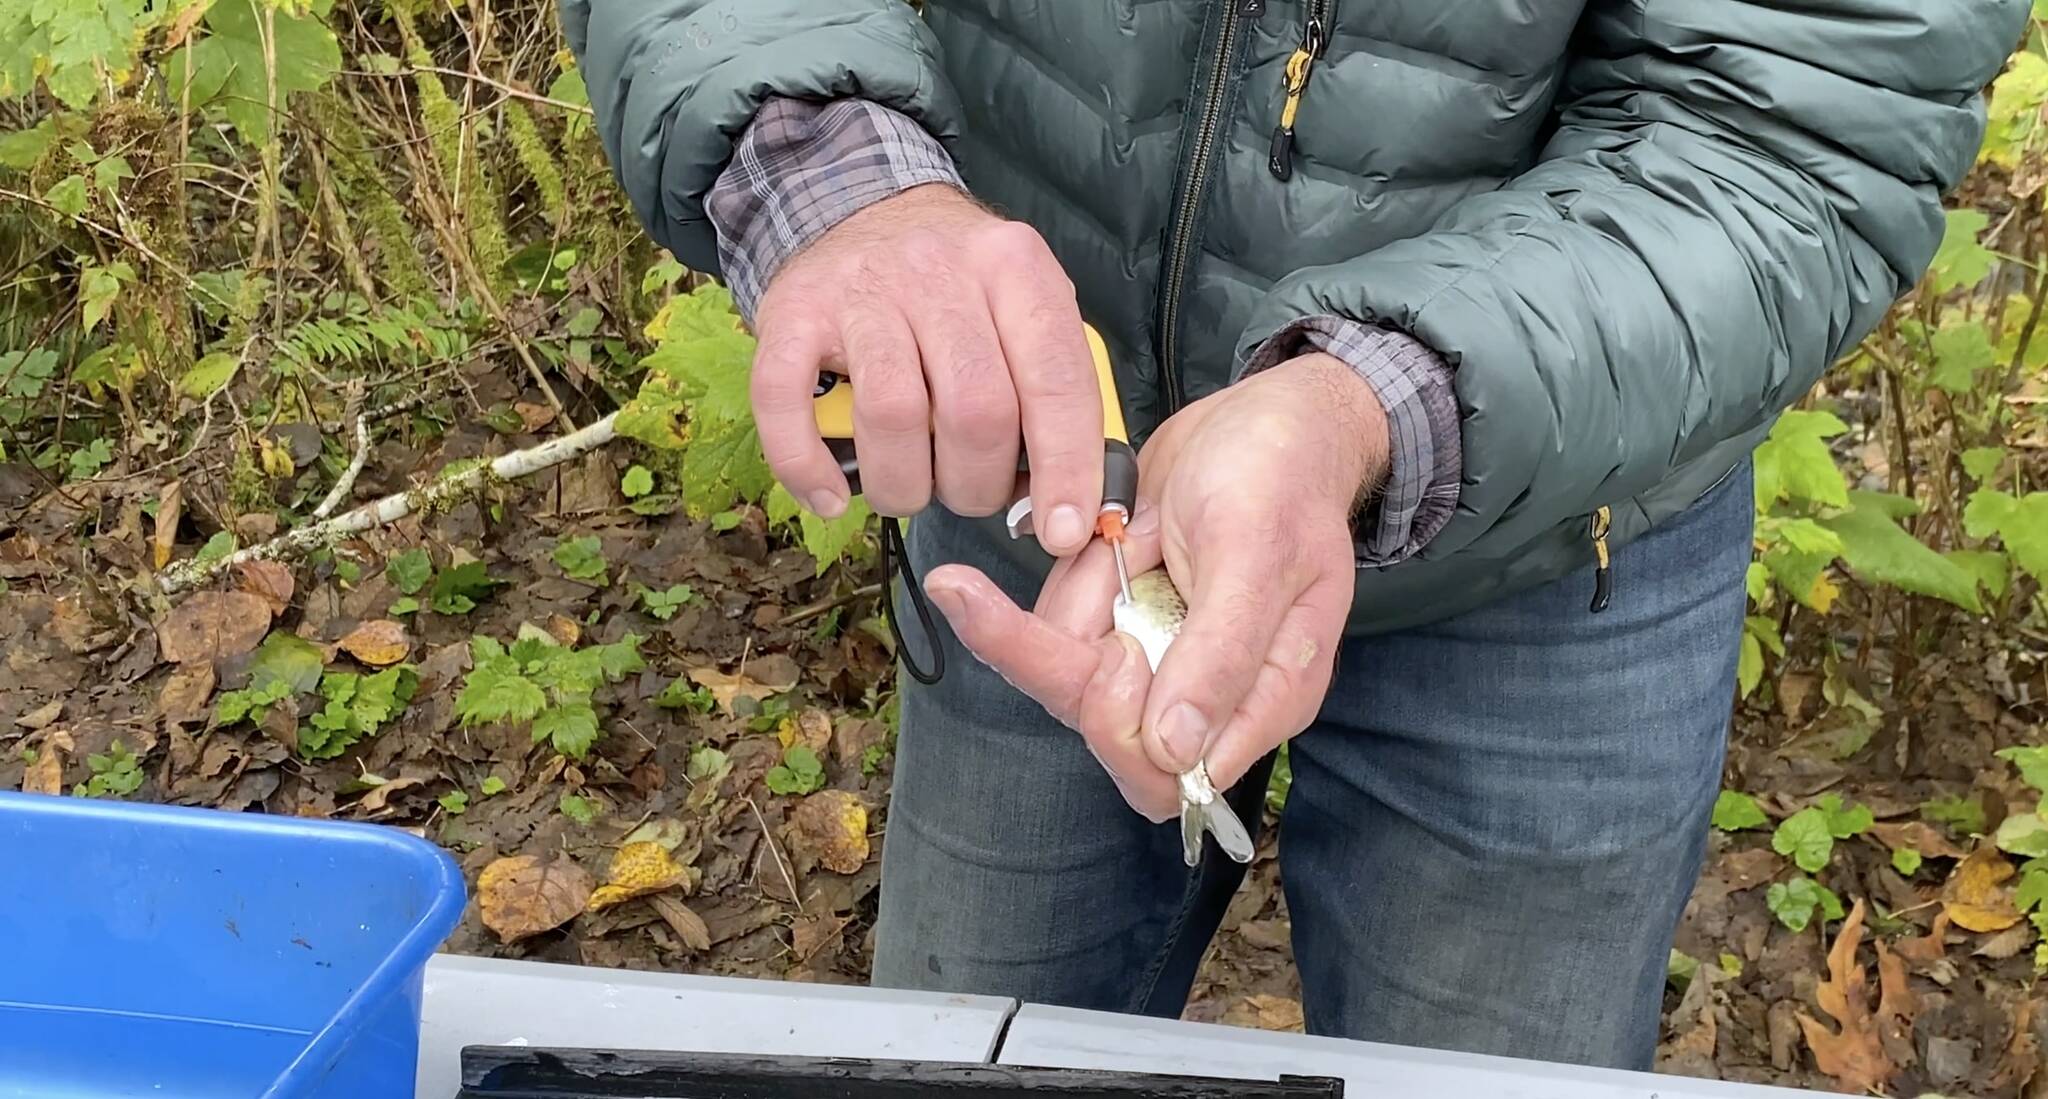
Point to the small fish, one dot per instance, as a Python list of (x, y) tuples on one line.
[(1153, 615)]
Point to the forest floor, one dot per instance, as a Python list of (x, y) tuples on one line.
[(783, 884)]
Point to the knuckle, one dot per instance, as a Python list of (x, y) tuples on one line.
[(894, 409), (980, 415), (897, 501), (1013, 241), (925, 253)]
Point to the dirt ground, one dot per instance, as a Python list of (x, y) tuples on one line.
[(776, 884)]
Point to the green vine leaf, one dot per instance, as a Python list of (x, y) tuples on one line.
[(227, 67), (1804, 837), (1794, 462), (1876, 548), (1961, 260)]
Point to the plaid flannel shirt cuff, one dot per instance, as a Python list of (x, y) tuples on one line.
[(803, 167), (1414, 385)]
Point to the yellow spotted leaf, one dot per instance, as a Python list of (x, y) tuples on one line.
[(637, 870), (521, 896), (379, 644), (829, 829), (1975, 898)]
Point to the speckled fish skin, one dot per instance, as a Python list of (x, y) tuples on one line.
[(1153, 616)]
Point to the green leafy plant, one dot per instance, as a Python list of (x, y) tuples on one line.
[(492, 787), (357, 706), (539, 680), (1808, 836), (1735, 811), (583, 559), (800, 772), (458, 590), (1961, 815), (665, 604), (693, 400), (410, 571), (774, 710), (638, 482), (578, 808), (1794, 902), (454, 803), (1907, 861), (116, 773), (679, 695)]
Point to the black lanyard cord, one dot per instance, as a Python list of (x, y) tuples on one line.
[(896, 556)]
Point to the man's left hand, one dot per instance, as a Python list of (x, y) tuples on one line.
[(1254, 489)]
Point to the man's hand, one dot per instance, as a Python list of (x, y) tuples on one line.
[(1255, 487), (961, 335)]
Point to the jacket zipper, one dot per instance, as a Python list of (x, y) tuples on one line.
[(1315, 39), (1603, 561), (1182, 235)]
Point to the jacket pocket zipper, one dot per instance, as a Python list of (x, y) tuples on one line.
[(1603, 561), (1300, 66)]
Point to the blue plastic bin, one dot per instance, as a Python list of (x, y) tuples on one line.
[(196, 954)]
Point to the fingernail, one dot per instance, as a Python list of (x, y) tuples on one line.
[(1146, 524), (1182, 733), (1065, 527), (827, 504), (1119, 655), (950, 603)]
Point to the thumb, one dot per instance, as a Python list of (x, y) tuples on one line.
[(1210, 668), (1045, 662)]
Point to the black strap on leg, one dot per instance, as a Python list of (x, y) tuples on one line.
[(896, 556)]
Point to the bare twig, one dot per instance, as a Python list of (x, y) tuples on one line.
[(390, 509), (768, 837), (827, 606), (508, 89), (347, 481)]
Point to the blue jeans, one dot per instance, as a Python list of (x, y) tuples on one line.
[(1493, 827)]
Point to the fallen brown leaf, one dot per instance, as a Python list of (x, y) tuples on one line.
[(379, 644), (1918, 836), (1853, 1055), (533, 417), (181, 28), (1975, 896), (2022, 1062), (565, 630), (268, 580), (1925, 950), (379, 798), (185, 694), (1695, 1031), (853, 736), (521, 897), (1265, 1012), (213, 625), (829, 829), (46, 774), (687, 924), (813, 933), (42, 717), (2006, 943), (814, 731), (637, 870), (170, 503), (725, 688)]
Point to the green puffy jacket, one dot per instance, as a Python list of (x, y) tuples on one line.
[(1639, 229)]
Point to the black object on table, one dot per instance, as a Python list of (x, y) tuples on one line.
[(526, 1072)]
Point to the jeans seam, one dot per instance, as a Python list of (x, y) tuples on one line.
[(1189, 896)]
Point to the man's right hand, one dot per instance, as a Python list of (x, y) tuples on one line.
[(961, 336)]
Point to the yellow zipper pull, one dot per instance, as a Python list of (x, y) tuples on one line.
[(1280, 160), (1603, 563)]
